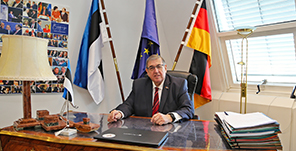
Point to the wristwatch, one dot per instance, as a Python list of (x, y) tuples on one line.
[(172, 116)]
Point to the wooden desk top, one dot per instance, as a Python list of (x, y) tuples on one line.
[(189, 135)]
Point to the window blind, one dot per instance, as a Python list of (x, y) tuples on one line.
[(236, 13), (271, 57)]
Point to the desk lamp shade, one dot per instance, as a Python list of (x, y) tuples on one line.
[(24, 58)]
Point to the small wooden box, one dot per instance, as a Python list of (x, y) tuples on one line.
[(86, 126), (41, 114), (51, 120)]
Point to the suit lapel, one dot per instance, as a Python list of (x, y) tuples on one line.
[(165, 93), (148, 97)]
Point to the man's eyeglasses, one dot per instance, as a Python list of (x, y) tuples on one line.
[(159, 67)]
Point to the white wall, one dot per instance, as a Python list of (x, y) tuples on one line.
[(125, 20)]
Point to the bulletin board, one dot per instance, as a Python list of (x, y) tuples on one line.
[(43, 20)]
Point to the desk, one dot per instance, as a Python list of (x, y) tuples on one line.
[(191, 135)]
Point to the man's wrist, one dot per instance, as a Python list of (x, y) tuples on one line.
[(121, 113), (172, 116)]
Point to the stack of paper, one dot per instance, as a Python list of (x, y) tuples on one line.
[(249, 131)]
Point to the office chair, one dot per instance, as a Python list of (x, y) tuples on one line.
[(191, 81)]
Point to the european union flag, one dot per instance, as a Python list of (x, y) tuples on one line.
[(149, 44)]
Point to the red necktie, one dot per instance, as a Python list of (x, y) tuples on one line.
[(156, 102)]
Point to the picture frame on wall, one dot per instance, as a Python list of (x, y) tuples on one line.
[(43, 20)]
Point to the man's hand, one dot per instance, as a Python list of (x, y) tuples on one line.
[(114, 116), (161, 119)]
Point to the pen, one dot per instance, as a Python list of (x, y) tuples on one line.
[(225, 113)]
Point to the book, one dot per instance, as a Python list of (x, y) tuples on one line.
[(256, 131), (248, 120), (245, 129)]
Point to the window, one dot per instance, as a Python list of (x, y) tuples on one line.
[(271, 55), (235, 13)]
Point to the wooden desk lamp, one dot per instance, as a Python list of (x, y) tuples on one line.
[(25, 59)]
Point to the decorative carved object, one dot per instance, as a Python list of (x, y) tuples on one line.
[(86, 126)]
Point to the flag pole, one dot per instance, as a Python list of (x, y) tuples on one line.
[(112, 48), (196, 6)]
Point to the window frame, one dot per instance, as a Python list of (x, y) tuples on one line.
[(218, 44)]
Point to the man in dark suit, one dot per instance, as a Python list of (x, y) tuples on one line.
[(28, 5), (17, 3), (18, 29), (64, 15), (33, 24), (44, 11), (33, 14), (32, 33), (11, 16), (9, 31), (2, 28), (39, 28), (34, 6), (174, 101), (4, 2)]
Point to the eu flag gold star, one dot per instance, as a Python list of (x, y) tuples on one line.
[(150, 43), (146, 51)]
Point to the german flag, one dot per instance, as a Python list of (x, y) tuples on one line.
[(200, 41), (40, 7)]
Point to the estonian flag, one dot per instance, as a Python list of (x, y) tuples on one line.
[(200, 41), (149, 44), (68, 87), (89, 70)]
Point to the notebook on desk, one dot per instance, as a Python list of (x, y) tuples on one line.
[(133, 136)]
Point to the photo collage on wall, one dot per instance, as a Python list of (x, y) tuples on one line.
[(43, 20)]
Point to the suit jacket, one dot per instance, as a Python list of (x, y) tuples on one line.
[(174, 98), (4, 3), (2, 30), (44, 12), (34, 6), (39, 28), (10, 17), (32, 34), (64, 16), (18, 32), (34, 15), (9, 32), (19, 5), (33, 25)]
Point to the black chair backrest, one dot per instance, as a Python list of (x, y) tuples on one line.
[(191, 80)]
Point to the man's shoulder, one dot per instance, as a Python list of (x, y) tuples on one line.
[(175, 79), (143, 79)]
